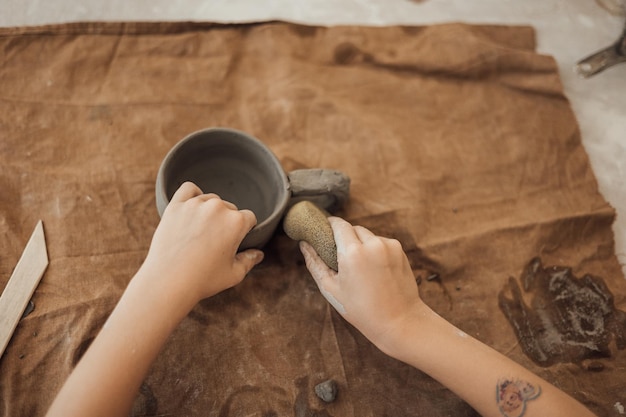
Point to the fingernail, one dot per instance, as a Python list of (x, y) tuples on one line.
[(304, 247), (255, 255)]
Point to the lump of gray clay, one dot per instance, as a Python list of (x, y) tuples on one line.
[(327, 390)]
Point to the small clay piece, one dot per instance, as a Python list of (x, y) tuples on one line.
[(326, 188), (305, 221), (327, 390)]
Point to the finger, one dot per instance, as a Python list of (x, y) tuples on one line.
[(211, 196), (343, 233), (363, 233), (186, 191), (208, 196), (227, 204), (316, 266), (249, 219), (230, 205), (322, 275), (243, 223), (246, 260)]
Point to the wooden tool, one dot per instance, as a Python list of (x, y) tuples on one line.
[(22, 284)]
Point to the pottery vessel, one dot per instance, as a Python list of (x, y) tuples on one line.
[(241, 169)]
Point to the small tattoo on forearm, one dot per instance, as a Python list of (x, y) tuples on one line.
[(512, 396)]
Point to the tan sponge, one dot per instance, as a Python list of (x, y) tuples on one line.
[(305, 221)]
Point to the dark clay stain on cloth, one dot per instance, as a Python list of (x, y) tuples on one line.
[(568, 320)]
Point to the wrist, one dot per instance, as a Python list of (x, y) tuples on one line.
[(411, 326), (162, 290)]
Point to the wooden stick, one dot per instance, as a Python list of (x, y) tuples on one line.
[(22, 284)]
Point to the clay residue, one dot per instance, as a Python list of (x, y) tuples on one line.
[(568, 320)]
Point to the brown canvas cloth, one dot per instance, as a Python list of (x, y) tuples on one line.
[(459, 142)]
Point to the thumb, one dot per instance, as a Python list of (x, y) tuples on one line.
[(318, 269), (246, 260), (323, 276), (186, 191)]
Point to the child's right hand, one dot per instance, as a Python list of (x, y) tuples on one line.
[(375, 289), (194, 249)]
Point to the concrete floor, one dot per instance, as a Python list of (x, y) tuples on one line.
[(566, 29)]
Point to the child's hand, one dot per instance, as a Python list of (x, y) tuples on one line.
[(375, 289), (194, 249)]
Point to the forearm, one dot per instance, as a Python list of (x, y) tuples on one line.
[(106, 380), (193, 255), (474, 371)]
